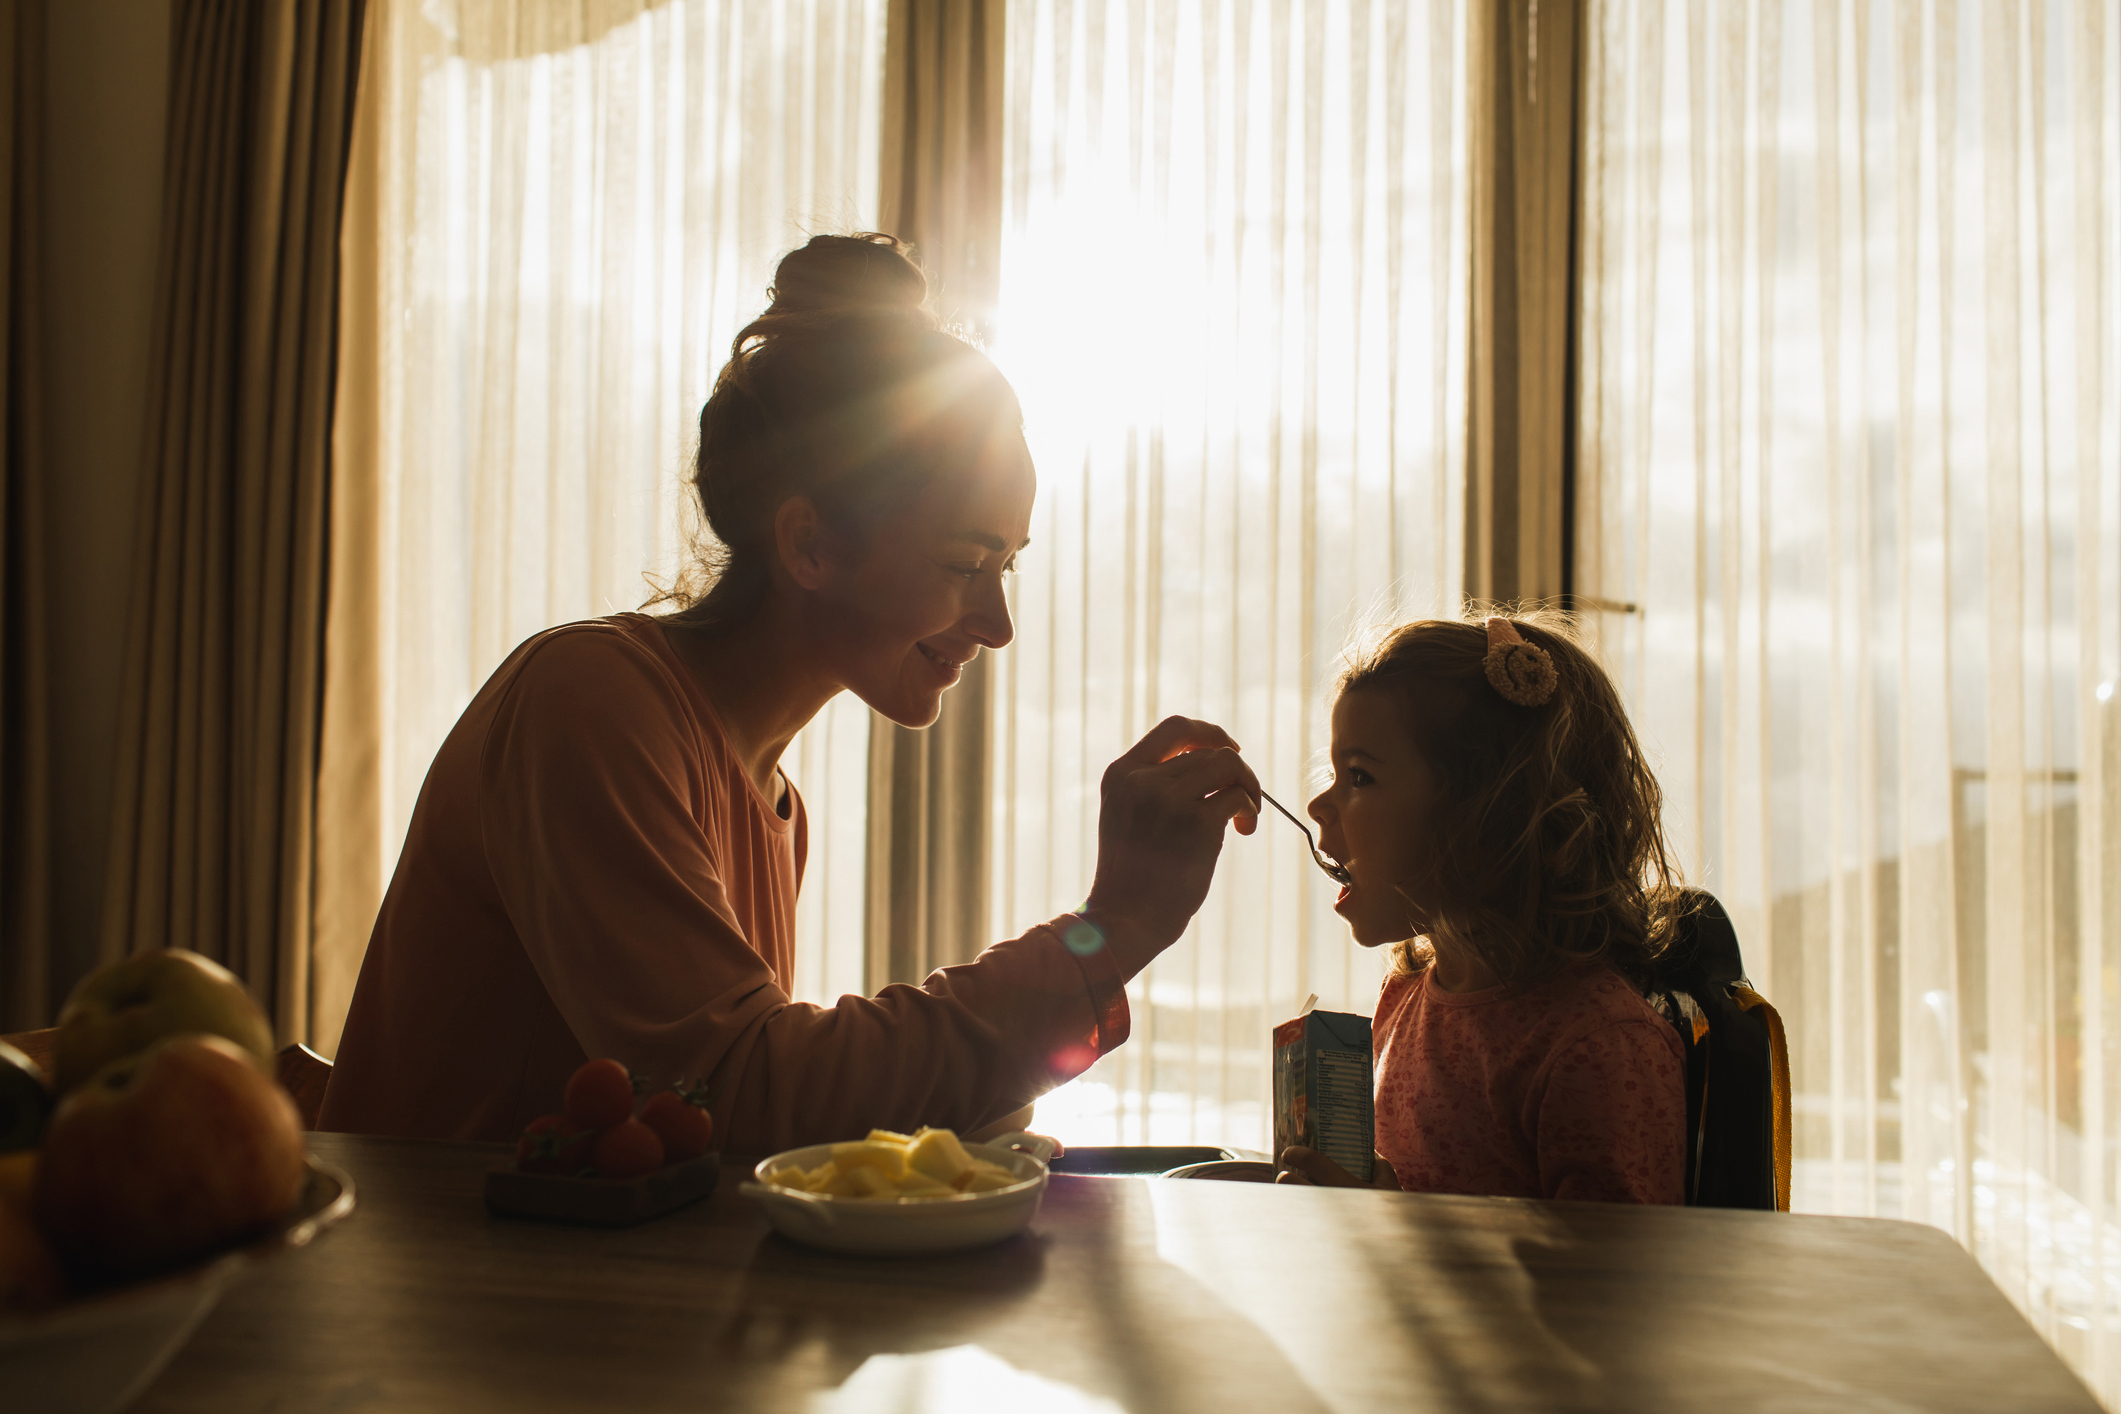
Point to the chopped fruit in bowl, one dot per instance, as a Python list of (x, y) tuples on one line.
[(930, 1164), (895, 1194)]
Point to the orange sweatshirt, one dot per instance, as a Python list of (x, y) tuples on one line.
[(590, 872)]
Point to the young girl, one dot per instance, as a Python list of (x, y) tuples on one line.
[(1501, 832)]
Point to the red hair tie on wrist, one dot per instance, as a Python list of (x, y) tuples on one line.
[(1522, 672)]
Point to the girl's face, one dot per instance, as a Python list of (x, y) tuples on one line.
[(899, 624), (1375, 818)]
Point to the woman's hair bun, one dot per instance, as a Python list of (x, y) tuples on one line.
[(845, 391), (848, 275)]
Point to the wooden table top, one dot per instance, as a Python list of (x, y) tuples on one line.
[(1139, 1295)]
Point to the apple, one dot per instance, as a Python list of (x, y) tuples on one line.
[(130, 1005), (166, 1156)]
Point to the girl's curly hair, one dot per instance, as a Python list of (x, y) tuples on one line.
[(1548, 846)]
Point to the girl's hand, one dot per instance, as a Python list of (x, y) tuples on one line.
[(1159, 830), (1308, 1166)]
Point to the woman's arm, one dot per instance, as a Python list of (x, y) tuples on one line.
[(609, 839)]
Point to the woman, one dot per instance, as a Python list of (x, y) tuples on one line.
[(605, 856)]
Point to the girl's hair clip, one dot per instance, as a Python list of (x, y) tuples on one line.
[(1522, 672)]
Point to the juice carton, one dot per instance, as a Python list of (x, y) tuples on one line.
[(1324, 1098)]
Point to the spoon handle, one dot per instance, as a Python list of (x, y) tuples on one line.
[(1333, 871), (1285, 812)]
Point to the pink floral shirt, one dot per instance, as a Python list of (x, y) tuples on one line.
[(1573, 1089)]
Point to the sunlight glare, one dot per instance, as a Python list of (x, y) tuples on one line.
[(1088, 343), (961, 1377)]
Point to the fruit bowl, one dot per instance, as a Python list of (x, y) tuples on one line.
[(97, 1353), (901, 1227)]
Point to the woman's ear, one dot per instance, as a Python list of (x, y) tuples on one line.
[(799, 542)]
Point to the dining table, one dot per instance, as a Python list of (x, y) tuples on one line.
[(1142, 1295)]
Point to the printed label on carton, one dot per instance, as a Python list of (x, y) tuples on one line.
[(1324, 1097)]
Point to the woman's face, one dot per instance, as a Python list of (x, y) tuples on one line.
[(900, 622), (1375, 818)]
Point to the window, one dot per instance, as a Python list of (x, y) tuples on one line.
[(1850, 447), (1233, 299)]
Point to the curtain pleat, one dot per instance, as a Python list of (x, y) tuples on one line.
[(1525, 71), (941, 150), (940, 187), (347, 885), (25, 782), (1235, 294), (1849, 451), (213, 816)]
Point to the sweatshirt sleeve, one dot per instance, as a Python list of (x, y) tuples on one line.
[(611, 857), (1612, 1120)]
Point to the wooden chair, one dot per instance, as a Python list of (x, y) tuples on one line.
[(301, 1072), (39, 1046)]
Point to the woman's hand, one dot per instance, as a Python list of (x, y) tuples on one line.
[(1010, 1123), (1308, 1166), (1159, 830)]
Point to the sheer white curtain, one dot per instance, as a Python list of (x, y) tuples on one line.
[(574, 210), (1851, 449), (1233, 299)]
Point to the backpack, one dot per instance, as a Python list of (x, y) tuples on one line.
[(1737, 1065)]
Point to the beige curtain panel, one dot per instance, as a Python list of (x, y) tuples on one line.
[(1524, 68), (25, 786), (216, 767), (1850, 446), (939, 187)]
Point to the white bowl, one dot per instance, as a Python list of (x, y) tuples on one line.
[(98, 1353), (904, 1226)]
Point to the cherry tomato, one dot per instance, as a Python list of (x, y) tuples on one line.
[(627, 1150), (599, 1095), (552, 1145), (686, 1130)]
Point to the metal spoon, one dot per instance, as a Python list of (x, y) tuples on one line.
[(1333, 871)]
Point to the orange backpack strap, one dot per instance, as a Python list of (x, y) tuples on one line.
[(1779, 1067)]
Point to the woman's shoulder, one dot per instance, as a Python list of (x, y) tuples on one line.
[(594, 675), (604, 659), (632, 640)]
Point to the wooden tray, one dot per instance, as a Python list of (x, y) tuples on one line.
[(601, 1202)]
